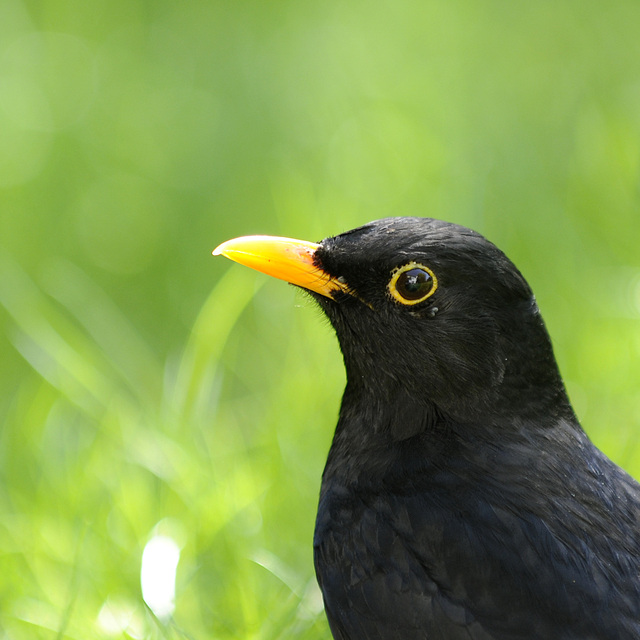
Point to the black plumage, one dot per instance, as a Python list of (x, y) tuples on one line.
[(461, 499)]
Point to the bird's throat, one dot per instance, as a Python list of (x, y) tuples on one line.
[(372, 429)]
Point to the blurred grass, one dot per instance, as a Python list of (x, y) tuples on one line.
[(147, 387)]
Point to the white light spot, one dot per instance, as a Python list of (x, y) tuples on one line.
[(158, 575), (118, 616)]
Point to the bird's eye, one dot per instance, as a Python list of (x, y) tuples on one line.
[(412, 283)]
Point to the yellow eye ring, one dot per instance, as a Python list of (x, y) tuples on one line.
[(412, 283)]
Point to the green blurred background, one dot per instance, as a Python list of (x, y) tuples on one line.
[(152, 392)]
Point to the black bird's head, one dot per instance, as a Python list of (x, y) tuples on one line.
[(425, 310)]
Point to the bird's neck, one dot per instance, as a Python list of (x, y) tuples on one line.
[(508, 374), (372, 427), (379, 426)]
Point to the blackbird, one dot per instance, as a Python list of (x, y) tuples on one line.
[(461, 498)]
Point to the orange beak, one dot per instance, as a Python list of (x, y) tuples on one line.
[(284, 258)]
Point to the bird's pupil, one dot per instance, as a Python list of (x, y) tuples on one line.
[(414, 284)]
